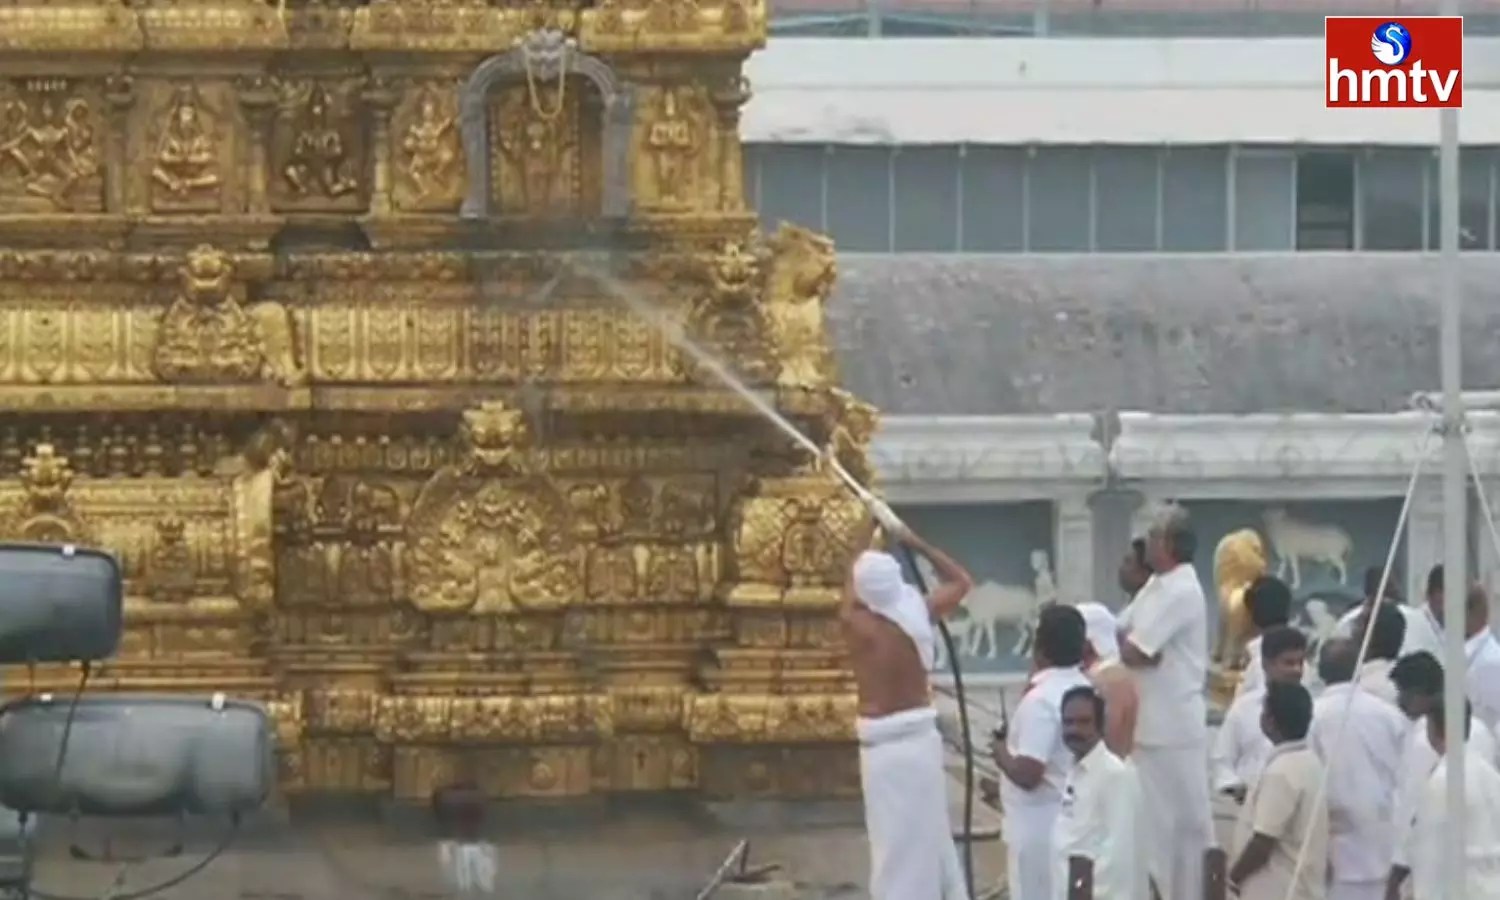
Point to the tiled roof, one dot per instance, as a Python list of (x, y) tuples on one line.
[(1232, 334)]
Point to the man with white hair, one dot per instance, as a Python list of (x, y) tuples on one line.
[(1111, 679), (888, 625), (1165, 644)]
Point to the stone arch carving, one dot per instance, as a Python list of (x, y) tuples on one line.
[(549, 53)]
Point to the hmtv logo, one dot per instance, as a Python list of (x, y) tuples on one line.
[(1416, 61)]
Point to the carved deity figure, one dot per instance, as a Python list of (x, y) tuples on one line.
[(206, 336), (489, 535), (539, 146), (45, 515), (173, 573), (672, 141), (1239, 559), (735, 274), (50, 146), (187, 159), (853, 433), (801, 276), (320, 155), (432, 154)]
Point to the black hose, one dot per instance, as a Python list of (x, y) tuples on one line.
[(963, 726)]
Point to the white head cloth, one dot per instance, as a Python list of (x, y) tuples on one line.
[(880, 586), (1102, 630)]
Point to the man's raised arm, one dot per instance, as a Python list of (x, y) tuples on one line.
[(954, 581)]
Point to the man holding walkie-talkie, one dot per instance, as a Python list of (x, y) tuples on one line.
[(1033, 759)]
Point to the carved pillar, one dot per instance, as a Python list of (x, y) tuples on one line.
[(119, 94), (381, 98), (1073, 538), (258, 98), (1114, 514), (728, 98), (1424, 536)]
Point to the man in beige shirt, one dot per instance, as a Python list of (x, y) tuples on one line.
[(1282, 811)]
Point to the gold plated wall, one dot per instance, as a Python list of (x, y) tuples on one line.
[(291, 319)]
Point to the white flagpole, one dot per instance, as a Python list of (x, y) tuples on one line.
[(1455, 495)]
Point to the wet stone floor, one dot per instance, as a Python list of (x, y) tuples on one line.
[(605, 854)]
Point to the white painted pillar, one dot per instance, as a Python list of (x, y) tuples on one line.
[(1424, 537), (1073, 538)]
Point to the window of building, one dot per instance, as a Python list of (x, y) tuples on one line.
[(859, 198), (1325, 200), (926, 198), (1390, 198), (791, 184), (1195, 199), (1127, 199), (1265, 183), (1475, 168), (994, 208), (1058, 202)]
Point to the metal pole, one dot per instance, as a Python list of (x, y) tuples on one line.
[(1455, 498)]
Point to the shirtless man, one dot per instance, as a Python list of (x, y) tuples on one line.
[(889, 627)]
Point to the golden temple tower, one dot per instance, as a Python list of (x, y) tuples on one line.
[(288, 321)]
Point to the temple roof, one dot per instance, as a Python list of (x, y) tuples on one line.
[(1344, 332)]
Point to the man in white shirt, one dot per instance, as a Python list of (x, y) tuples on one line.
[(1387, 638), (1282, 815), (1095, 841), (1421, 633), (1426, 845), (1481, 653), (1361, 740), (1032, 758), (1419, 690), (1269, 602), (1165, 643), (1241, 746)]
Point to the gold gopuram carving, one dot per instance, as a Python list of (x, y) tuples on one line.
[(294, 318)]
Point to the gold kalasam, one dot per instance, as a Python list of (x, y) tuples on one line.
[(442, 508)]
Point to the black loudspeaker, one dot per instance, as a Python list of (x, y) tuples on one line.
[(58, 603), (135, 755)]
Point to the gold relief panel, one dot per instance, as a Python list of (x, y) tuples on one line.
[(194, 552), (501, 771), (789, 772), (430, 173), (51, 146), (649, 627), (66, 341), (545, 146), (792, 543), (189, 147), (345, 764), (764, 718), (339, 543), (317, 147), (489, 719), (648, 707), (642, 763), (674, 171)]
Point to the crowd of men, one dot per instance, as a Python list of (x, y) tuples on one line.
[(1324, 782)]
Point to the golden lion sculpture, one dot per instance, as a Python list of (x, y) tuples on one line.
[(1239, 559)]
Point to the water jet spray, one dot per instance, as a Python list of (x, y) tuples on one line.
[(879, 509)]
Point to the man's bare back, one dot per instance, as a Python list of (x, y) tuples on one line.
[(888, 670)]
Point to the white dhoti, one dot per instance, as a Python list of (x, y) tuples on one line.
[(1029, 858), (1174, 782), (468, 868), (912, 856)]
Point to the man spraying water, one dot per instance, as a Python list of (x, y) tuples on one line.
[(889, 628)]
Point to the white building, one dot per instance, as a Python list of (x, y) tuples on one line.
[(1094, 273)]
